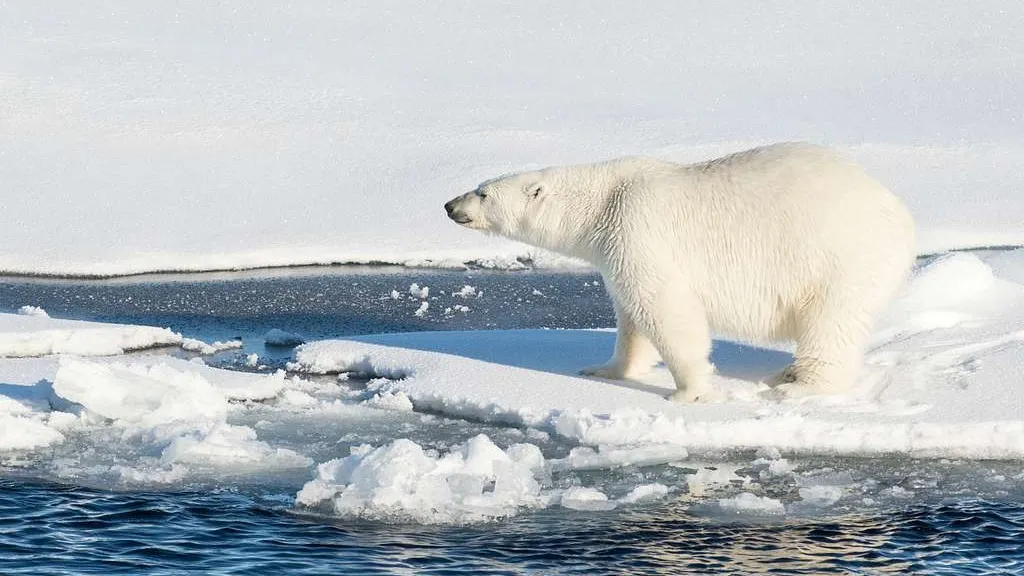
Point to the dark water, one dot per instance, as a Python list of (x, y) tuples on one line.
[(351, 301), (953, 527)]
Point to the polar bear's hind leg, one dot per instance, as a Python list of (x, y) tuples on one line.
[(829, 347)]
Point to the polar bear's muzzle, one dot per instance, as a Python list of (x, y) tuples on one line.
[(456, 210)]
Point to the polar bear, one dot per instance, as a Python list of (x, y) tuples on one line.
[(784, 242)]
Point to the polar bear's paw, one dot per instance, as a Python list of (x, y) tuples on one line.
[(608, 371), (690, 396), (785, 376), (798, 390)]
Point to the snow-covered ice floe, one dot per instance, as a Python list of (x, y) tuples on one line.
[(169, 406), (62, 378), (474, 481), (944, 378), (32, 333)]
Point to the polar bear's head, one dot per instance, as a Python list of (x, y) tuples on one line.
[(523, 207)]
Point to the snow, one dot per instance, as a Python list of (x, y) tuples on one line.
[(38, 335), (22, 433), (942, 380), (949, 346), (416, 292), (392, 400), (142, 138), (146, 396)]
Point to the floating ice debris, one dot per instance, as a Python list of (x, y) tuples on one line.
[(400, 481), (645, 493), (590, 499), (746, 503), (33, 311), (200, 347), (278, 337)]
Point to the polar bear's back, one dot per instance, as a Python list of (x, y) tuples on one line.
[(757, 232), (806, 197)]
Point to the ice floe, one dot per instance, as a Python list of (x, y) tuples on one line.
[(38, 335), (943, 378), (474, 481)]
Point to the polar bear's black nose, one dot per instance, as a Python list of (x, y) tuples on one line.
[(449, 207)]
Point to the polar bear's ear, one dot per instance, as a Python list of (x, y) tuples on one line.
[(534, 190)]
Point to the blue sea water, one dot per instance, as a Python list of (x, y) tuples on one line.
[(51, 529), (948, 517)]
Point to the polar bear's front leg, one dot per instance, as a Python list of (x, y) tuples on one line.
[(634, 354), (678, 328)]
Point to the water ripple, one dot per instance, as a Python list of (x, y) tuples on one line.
[(56, 529)]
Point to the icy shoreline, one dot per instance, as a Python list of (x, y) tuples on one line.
[(526, 260)]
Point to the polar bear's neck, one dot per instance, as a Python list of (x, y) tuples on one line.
[(583, 217)]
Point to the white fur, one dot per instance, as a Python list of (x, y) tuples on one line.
[(783, 242)]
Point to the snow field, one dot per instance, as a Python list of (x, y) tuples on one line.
[(376, 114)]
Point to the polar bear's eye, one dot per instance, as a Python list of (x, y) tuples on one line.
[(481, 194)]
